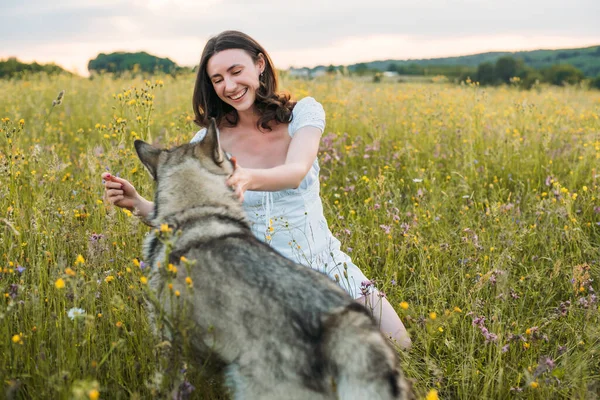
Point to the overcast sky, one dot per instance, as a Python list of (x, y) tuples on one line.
[(295, 33)]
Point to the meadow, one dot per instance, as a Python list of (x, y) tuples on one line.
[(476, 210)]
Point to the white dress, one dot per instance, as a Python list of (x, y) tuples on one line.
[(292, 220)]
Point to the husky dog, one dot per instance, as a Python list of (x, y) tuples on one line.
[(282, 330)]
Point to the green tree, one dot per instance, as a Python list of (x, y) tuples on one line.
[(563, 74), (361, 69), (139, 62), (486, 74), (506, 67), (595, 83)]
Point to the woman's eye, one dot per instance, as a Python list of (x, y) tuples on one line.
[(218, 81), (237, 72)]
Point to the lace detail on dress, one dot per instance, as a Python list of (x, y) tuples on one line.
[(307, 112)]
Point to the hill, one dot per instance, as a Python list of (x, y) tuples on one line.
[(586, 59)]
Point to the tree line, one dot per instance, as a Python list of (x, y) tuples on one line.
[(12, 68)]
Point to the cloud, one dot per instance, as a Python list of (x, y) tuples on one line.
[(304, 32)]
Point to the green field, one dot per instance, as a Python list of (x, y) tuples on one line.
[(476, 210)]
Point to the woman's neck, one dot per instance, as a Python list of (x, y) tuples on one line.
[(248, 118)]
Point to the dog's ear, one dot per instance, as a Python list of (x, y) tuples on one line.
[(211, 145), (148, 154)]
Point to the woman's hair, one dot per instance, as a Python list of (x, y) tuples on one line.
[(270, 104)]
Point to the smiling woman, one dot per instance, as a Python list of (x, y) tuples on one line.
[(275, 143)]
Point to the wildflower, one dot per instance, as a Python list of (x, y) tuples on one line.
[(143, 280), (177, 293), (79, 259), (526, 345), (432, 395), (75, 312), (70, 272), (433, 316), (534, 385), (458, 310), (165, 228), (17, 339), (20, 269), (404, 305), (188, 280), (94, 394), (59, 283), (119, 324), (109, 279)]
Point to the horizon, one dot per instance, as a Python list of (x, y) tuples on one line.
[(69, 33)]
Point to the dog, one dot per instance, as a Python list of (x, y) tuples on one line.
[(281, 330)]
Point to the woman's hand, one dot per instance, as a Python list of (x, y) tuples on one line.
[(240, 180), (120, 192)]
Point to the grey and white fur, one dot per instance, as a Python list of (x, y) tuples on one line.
[(283, 331)]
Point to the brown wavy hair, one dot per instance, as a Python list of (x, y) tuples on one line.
[(272, 105)]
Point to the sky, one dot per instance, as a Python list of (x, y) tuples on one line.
[(298, 33)]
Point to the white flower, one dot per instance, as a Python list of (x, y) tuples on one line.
[(417, 180), (75, 312)]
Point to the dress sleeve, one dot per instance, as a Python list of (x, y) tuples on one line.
[(199, 136), (307, 112)]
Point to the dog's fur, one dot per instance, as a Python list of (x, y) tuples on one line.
[(284, 331)]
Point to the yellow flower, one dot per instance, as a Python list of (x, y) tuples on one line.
[(188, 280), (17, 339), (526, 345), (144, 280), (183, 259), (528, 331), (432, 315), (177, 293), (404, 305), (534, 385), (136, 262), (432, 395), (119, 324), (79, 259), (94, 394), (59, 283), (165, 228), (456, 309), (109, 279), (70, 272)]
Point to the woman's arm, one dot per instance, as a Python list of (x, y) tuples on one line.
[(301, 154)]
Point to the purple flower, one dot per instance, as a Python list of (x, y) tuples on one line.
[(142, 265), (20, 269), (386, 228)]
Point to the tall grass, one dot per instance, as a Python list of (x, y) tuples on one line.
[(475, 210)]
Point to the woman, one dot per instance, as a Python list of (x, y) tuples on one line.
[(275, 143)]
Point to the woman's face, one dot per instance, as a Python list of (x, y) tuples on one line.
[(235, 77)]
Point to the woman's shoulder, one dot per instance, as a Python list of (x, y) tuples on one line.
[(307, 112), (306, 103)]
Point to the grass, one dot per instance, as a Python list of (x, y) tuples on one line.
[(476, 210)]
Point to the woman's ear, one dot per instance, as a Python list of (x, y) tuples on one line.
[(261, 63)]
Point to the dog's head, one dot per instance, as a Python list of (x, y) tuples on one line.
[(188, 175)]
